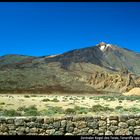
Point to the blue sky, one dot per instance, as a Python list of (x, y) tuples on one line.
[(45, 28)]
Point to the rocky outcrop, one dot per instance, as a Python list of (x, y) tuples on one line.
[(134, 91), (114, 81)]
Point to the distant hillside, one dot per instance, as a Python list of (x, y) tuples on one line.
[(14, 59)]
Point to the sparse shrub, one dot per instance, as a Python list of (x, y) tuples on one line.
[(32, 107), (98, 108), (118, 107), (71, 98), (122, 97), (96, 98), (126, 110), (83, 98), (131, 98), (26, 96), (22, 108), (48, 112), (70, 111), (11, 113), (132, 109), (55, 100), (81, 110), (29, 111), (46, 100), (120, 101), (52, 111), (2, 103), (33, 95), (32, 113), (110, 97), (56, 109), (70, 103)]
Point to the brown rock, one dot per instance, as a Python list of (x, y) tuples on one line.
[(108, 133), (123, 132), (113, 117), (137, 132), (123, 125), (131, 122)]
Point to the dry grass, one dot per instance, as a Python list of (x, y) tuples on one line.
[(117, 104)]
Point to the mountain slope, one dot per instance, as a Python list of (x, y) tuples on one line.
[(110, 57), (11, 60), (103, 67)]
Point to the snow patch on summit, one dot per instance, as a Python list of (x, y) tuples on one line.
[(104, 47)]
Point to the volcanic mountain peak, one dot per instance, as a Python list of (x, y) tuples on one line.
[(103, 46)]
